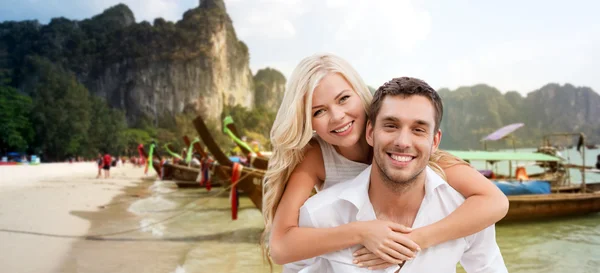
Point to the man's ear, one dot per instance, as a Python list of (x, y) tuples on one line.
[(437, 138), (369, 133)]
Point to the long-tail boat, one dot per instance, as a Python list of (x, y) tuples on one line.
[(250, 179), (187, 175), (564, 198)]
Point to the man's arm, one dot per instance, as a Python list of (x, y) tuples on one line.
[(483, 254)]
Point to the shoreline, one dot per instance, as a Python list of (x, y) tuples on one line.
[(122, 252), (47, 198)]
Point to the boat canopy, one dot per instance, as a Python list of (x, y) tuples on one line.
[(503, 156)]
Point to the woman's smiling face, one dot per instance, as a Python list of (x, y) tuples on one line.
[(338, 114)]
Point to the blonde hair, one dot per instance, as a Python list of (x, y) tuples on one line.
[(292, 129)]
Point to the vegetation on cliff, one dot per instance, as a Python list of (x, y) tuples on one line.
[(470, 113)]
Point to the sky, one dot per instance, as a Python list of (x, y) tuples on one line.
[(511, 45)]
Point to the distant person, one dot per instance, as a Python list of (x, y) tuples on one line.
[(140, 149), (598, 162), (99, 162), (106, 165)]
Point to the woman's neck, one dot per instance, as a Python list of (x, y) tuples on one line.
[(359, 152)]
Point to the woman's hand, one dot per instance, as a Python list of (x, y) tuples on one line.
[(387, 240)]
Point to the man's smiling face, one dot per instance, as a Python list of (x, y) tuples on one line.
[(403, 138)]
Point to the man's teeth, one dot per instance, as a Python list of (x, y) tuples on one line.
[(402, 158), (343, 129)]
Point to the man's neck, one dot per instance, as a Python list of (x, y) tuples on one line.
[(399, 205)]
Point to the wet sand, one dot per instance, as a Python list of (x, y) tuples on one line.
[(192, 232), (41, 199), (132, 248)]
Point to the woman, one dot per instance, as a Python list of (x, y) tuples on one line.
[(326, 94)]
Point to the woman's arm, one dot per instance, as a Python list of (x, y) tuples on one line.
[(485, 205), (290, 243)]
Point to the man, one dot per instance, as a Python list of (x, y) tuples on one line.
[(403, 129), (99, 161)]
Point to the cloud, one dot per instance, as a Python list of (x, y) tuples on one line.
[(43, 11), (366, 33), (397, 24), (267, 19), (527, 64)]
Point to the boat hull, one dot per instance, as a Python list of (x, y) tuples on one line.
[(251, 178), (183, 176), (547, 206)]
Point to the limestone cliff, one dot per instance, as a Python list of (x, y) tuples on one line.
[(151, 71), (472, 112), (197, 64), (269, 88)]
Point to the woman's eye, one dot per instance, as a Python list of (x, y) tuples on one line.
[(344, 98), (318, 112)]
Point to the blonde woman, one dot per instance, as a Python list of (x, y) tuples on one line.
[(318, 140)]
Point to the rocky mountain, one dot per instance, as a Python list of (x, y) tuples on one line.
[(151, 71), (269, 88), (470, 113)]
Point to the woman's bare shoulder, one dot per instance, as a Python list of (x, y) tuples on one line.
[(313, 160)]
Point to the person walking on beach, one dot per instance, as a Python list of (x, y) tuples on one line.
[(106, 165), (100, 162)]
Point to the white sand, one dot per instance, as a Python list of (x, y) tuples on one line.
[(40, 199)]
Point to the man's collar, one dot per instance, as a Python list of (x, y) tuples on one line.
[(357, 190), (432, 181)]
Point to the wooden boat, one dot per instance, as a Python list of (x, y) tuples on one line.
[(251, 178), (565, 199), (546, 206), (186, 176)]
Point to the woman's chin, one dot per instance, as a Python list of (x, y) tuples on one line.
[(346, 141)]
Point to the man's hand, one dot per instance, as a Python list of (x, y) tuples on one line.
[(365, 258)]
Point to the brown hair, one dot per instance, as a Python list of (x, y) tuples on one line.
[(406, 86)]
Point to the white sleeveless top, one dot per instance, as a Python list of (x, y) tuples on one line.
[(337, 167)]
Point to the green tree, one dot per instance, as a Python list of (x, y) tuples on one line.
[(60, 111), (132, 138), (16, 130), (106, 128)]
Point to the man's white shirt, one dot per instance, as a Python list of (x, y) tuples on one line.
[(349, 202)]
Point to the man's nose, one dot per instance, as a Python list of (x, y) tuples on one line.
[(403, 139)]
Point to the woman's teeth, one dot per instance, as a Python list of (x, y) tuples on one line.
[(344, 129)]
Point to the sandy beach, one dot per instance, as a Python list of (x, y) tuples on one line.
[(42, 199)]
